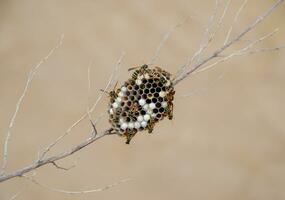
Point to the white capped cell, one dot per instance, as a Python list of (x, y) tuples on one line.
[(111, 111), (162, 94), (153, 115), (118, 99), (164, 104), (131, 125), (140, 118), (149, 111), (121, 94), (123, 89), (146, 75), (138, 81), (145, 107), (137, 125), (142, 102), (167, 83), (146, 117), (121, 120), (124, 126), (115, 105), (143, 124), (152, 106)]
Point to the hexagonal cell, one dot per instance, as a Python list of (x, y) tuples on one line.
[(148, 101), (161, 110), (152, 90), (154, 99), (148, 85), (142, 86), (146, 91)]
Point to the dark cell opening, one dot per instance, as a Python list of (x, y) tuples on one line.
[(160, 84), (154, 85), (128, 93), (155, 110), (148, 85), (128, 119), (126, 108), (158, 89), (150, 95), (129, 103), (152, 90), (144, 80), (154, 100), (144, 96), (156, 95), (143, 112), (160, 99), (140, 92), (142, 86), (122, 104), (132, 82), (136, 87), (134, 92), (148, 101), (150, 80), (124, 114), (131, 97), (163, 88), (130, 87), (158, 105), (146, 91), (158, 116), (161, 110)]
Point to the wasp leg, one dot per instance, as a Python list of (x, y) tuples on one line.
[(129, 136)]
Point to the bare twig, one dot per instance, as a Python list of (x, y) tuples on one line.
[(86, 114), (164, 40), (33, 180), (235, 20), (59, 156), (199, 65), (63, 168), (31, 75), (240, 52), (217, 53)]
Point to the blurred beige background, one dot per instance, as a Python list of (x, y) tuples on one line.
[(225, 142)]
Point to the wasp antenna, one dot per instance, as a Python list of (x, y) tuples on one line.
[(104, 91), (132, 68)]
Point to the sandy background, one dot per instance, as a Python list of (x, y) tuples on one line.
[(225, 142)]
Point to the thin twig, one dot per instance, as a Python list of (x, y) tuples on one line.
[(33, 180), (239, 52), (164, 40), (235, 20), (59, 156), (216, 53), (86, 114), (63, 168), (31, 75)]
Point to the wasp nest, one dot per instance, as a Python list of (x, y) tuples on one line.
[(141, 102)]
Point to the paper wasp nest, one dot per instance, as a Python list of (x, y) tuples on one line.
[(141, 102)]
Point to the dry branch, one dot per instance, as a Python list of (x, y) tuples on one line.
[(185, 72)]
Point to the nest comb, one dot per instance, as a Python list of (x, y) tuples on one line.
[(141, 102)]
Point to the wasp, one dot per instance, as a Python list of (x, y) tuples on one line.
[(150, 126), (169, 109), (112, 94), (142, 69), (129, 135)]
